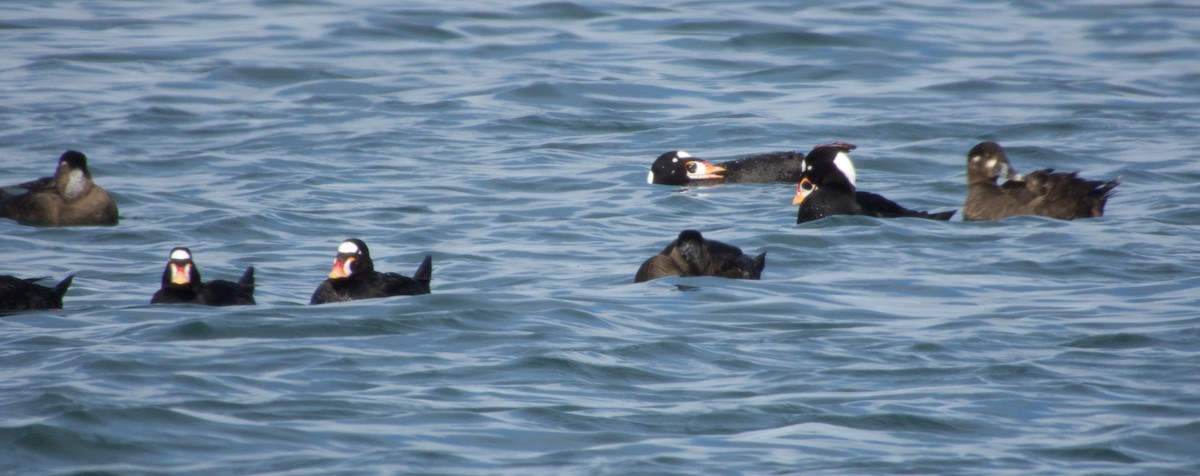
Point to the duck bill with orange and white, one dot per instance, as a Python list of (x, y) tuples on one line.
[(343, 263), (180, 267)]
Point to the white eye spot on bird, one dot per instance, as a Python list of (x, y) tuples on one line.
[(181, 255), (347, 247), (976, 158)]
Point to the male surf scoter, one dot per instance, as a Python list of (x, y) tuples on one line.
[(827, 188), (181, 284), (680, 168), (18, 294), (354, 277), (1061, 195), (692, 255), (66, 199)]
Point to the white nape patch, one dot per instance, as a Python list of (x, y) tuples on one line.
[(181, 255), (843, 163), (348, 247), (683, 155), (650, 177), (76, 182)]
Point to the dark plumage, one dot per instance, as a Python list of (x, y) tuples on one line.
[(1044, 192), (354, 277), (680, 168), (18, 294), (181, 284), (827, 188), (692, 255), (68, 198)]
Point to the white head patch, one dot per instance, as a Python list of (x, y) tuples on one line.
[(181, 255), (348, 247), (842, 162)]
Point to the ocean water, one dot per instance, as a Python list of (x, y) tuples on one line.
[(510, 140)]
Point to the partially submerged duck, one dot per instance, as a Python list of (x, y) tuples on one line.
[(692, 255), (17, 294)]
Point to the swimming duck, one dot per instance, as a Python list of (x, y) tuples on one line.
[(181, 284), (692, 255), (1061, 195), (827, 188), (68, 198), (354, 277), (17, 294), (680, 168)]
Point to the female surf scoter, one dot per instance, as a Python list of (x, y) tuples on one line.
[(680, 168), (692, 255), (18, 294), (1061, 195), (181, 284), (354, 277), (827, 188), (66, 199)]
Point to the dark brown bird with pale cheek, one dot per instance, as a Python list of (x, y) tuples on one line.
[(692, 255), (1060, 195), (68, 198), (181, 284)]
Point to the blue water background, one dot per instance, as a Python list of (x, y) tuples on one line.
[(511, 141)]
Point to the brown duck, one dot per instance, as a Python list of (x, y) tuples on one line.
[(692, 255), (68, 198), (1061, 195)]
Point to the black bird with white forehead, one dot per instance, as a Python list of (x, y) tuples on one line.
[(354, 277), (181, 284), (827, 187), (680, 168)]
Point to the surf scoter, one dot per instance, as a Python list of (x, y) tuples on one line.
[(827, 188), (17, 294), (66, 199), (181, 284), (354, 277), (692, 255), (1061, 195), (680, 168)]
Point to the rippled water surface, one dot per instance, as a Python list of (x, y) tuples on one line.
[(511, 141)]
